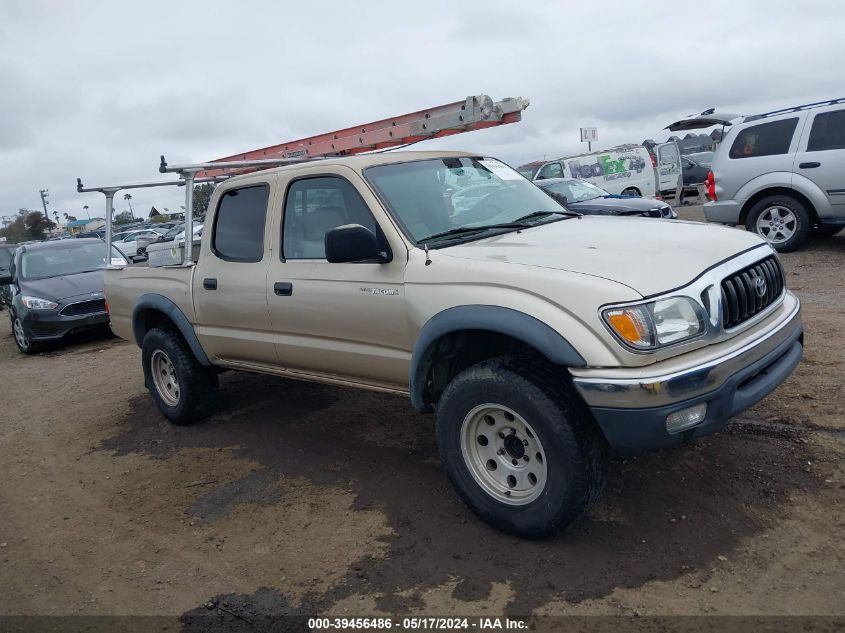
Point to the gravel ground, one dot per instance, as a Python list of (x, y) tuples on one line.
[(299, 498)]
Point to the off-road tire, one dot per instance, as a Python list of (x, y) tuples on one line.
[(197, 384), (576, 451), (800, 212)]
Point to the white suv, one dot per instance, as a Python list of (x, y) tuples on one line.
[(781, 174)]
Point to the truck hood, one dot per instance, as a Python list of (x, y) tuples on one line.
[(649, 255)]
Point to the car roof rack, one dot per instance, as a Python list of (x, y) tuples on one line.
[(806, 106), (473, 113)]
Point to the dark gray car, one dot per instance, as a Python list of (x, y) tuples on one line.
[(56, 289)]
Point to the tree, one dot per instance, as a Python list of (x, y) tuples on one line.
[(202, 196), (159, 218), (124, 217), (128, 198), (37, 224), (27, 225)]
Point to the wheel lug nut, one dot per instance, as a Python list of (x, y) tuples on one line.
[(514, 462), (501, 435), (525, 457), (501, 451), (525, 442), (507, 493), (513, 431)]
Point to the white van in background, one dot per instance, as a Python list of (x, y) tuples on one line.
[(627, 170)]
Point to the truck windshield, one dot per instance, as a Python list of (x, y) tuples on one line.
[(70, 259), (434, 197)]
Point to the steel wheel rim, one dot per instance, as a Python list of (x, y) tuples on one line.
[(164, 377), (20, 336), (777, 224), (495, 442)]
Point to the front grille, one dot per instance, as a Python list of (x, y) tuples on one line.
[(743, 295), (94, 306)]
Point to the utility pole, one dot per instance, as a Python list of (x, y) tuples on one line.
[(45, 193)]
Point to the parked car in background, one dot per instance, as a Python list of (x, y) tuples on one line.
[(100, 233), (7, 253), (695, 168), (780, 174), (130, 241), (57, 289), (627, 169), (585, 197)]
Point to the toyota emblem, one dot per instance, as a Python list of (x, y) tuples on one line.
[(760, 287)]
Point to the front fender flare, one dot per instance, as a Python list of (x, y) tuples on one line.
[(518, 325), (164, 305)]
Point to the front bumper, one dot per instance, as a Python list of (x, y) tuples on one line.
[(632, 412), (49, 325)]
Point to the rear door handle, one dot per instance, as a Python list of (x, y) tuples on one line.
[(811, 165), (283, 288), (209, 283)]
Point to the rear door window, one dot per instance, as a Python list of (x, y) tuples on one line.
[(765, 139), (828, 132), (239, 224)]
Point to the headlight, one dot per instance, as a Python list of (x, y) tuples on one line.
[(656, 324), (34, 303)]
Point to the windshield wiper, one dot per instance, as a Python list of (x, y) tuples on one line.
[(540, 214), (523, 222)]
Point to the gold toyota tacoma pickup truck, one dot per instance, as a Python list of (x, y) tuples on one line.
[(539, 338)]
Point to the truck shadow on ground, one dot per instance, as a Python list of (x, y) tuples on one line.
[(663, 514)]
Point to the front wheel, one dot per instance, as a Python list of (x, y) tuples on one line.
[(184, 390), (522, 451), (630, 191), (22, 338), (780, 220)]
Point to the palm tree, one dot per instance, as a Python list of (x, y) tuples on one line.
[(128, 198)]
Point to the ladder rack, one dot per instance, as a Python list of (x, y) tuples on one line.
[(473, 113)]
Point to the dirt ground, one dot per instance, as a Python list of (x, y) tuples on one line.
[(299, 499)]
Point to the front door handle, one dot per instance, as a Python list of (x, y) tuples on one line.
[(283, 288), (209, 283), (811, 165)]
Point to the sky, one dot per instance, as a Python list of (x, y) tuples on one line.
[(98, 90)]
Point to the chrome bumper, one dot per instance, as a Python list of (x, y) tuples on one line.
[(668, 388)]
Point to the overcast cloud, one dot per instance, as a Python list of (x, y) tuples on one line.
[(100, 89)]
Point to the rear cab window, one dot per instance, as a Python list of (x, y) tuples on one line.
[(239, 224), (764, 139), (552, 170), (828, 132)]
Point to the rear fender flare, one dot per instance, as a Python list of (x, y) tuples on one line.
[(164, 305)]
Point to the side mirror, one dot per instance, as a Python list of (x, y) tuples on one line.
[(353, 243)]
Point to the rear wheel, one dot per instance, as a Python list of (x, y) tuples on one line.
[(630, 191), (780, 220), (522, 451), (184, 390)]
